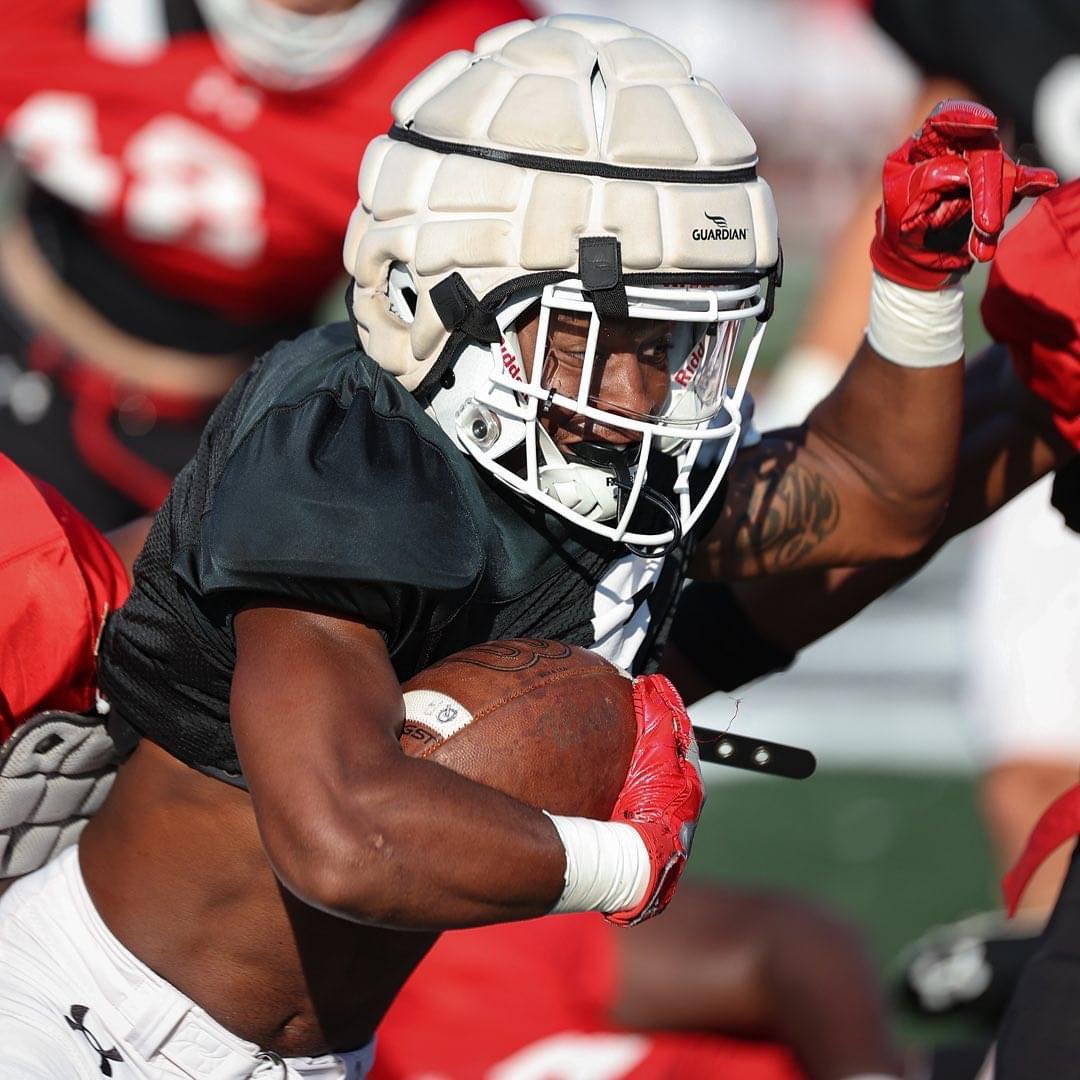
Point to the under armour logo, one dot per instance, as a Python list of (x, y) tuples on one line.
[(75, 1022)]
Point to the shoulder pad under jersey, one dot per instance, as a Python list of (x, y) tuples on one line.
[(338, 492)]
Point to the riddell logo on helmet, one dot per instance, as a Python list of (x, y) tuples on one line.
[(683, 376), (722, 230), (510, 363)]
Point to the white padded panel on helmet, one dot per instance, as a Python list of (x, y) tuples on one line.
[(426, 336), (596, 28), (631, 212), (532, 91), (377, 248), (386, 336), (428, 83), (557, 214), (465, 184), (645, 128), (404, 182), (499, 36), (464, 109), (767, 231), (707, 228), (719, 135), (442, 246), (545, 114), (559, 52), (370, 166), (643, 59)]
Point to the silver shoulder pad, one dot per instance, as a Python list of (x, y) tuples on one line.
[(55, 771)]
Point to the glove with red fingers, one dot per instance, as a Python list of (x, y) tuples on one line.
[(663, 794), (945, 195), (1032, 303)]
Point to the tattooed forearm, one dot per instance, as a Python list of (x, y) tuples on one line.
[(779, 510), (795, 514)]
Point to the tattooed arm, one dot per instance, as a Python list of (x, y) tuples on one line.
[(866, 477), (727, 635)]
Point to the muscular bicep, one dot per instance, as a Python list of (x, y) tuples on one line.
[(866, 477), (347, 820), (315, 707), (783, 503)]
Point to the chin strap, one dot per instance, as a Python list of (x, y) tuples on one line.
[(459, 309), (658, 502), (579, 486), (613, 465)]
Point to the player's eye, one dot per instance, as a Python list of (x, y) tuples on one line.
[(656, 351), (572, 356)]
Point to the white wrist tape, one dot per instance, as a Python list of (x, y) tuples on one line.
[(914, 328), (607, 866)]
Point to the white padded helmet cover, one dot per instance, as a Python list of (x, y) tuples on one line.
[(638, 147)]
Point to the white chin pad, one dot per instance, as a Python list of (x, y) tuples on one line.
[(581, 489)]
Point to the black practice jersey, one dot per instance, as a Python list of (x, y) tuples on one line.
[(322, 483), (1005, 50)]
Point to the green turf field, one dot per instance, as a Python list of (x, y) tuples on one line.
[(896, 853)]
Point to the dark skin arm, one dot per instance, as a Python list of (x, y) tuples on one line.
[(867, 477), (128, 540), (760, 966), (350, 824), (1008, 443)]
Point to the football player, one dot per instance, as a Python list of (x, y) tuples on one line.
[(554, 255), (166, 237), (1022, 421), (1019, 630), (759, 959)]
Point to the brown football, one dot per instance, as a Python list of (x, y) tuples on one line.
[(550, 724)]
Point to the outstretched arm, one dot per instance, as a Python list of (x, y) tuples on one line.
[(867, 476), (757, 965), (1009, 441)]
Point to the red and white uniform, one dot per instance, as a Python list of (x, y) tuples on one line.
[(533, 1001), (214, 189)]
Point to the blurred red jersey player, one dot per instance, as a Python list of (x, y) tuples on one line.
[(58, 578), (550, 989)]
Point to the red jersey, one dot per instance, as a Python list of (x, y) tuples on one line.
[(58, 578), (214, 189), (533, 1001), (1032, 303)]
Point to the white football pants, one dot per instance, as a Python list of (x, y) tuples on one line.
[(76, 1005)]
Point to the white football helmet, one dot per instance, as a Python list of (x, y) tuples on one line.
[(572, 164), (288, 50)]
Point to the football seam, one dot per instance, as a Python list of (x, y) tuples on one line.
[(498, 704)]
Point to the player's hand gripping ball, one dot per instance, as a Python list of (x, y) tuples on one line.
[(560, 728), (945, 196), (663, 794)]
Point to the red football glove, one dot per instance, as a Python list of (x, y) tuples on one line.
[(1032, 303), (945, 195), (663, 794)]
